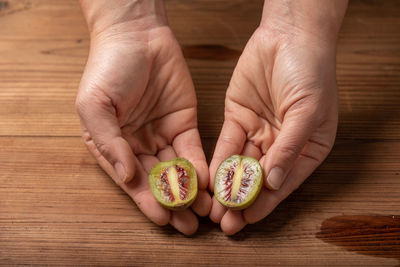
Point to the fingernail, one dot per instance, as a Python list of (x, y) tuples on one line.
[(275, 178), (121, 172)]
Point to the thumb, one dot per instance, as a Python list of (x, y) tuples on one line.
[(98, 117), (296, 129)]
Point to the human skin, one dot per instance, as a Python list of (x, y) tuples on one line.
[(281, 103), (137, 103)]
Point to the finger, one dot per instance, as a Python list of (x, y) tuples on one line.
[(217, 211), (265, 203), (139, 190), (232, 222), (98, 118), (184, 221), (166, 154), (104, 164), (148, 162), (251, 150), (150, 207), (188, 145), (281, 156), (230, 142), (202, 204), (267, 200)]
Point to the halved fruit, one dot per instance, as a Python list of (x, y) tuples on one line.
[(174, 183), (238, 181)]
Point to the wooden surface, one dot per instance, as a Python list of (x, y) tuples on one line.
[(58, 207)]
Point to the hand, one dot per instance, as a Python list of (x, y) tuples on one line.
[(137, 105), (280, 108)]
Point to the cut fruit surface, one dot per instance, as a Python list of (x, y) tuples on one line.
[(238, 181), (174, 183)]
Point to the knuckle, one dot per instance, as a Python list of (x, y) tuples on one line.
[(311, 109), (319, 115), (227, 139), (103, 149), (86, 137), (80, 104), (289, 152), (93, 99)]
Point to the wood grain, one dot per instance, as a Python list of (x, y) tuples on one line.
[(57, 207)]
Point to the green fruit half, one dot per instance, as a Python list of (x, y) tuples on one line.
[(174, 183), (238, 181)]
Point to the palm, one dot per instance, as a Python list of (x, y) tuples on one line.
[(271, 87), (150, 92)]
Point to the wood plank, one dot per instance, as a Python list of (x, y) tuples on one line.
[(52, 212), (57, 207)]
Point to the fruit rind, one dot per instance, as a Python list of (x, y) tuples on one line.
[(154, 182), (256, 182)]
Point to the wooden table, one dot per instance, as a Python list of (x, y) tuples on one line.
[(58, 207)]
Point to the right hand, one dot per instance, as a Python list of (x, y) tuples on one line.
[(281, 104), (137, 107)]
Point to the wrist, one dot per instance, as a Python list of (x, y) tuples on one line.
[(315, 20), (125, 15)]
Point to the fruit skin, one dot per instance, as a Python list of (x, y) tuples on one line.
[(154, 177), (251, 197)]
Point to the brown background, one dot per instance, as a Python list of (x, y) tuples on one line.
[(58, 207)]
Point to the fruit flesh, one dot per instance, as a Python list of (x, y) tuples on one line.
[(174, 183), (238, 181)]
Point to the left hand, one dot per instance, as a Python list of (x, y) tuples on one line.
[(137, 104)]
